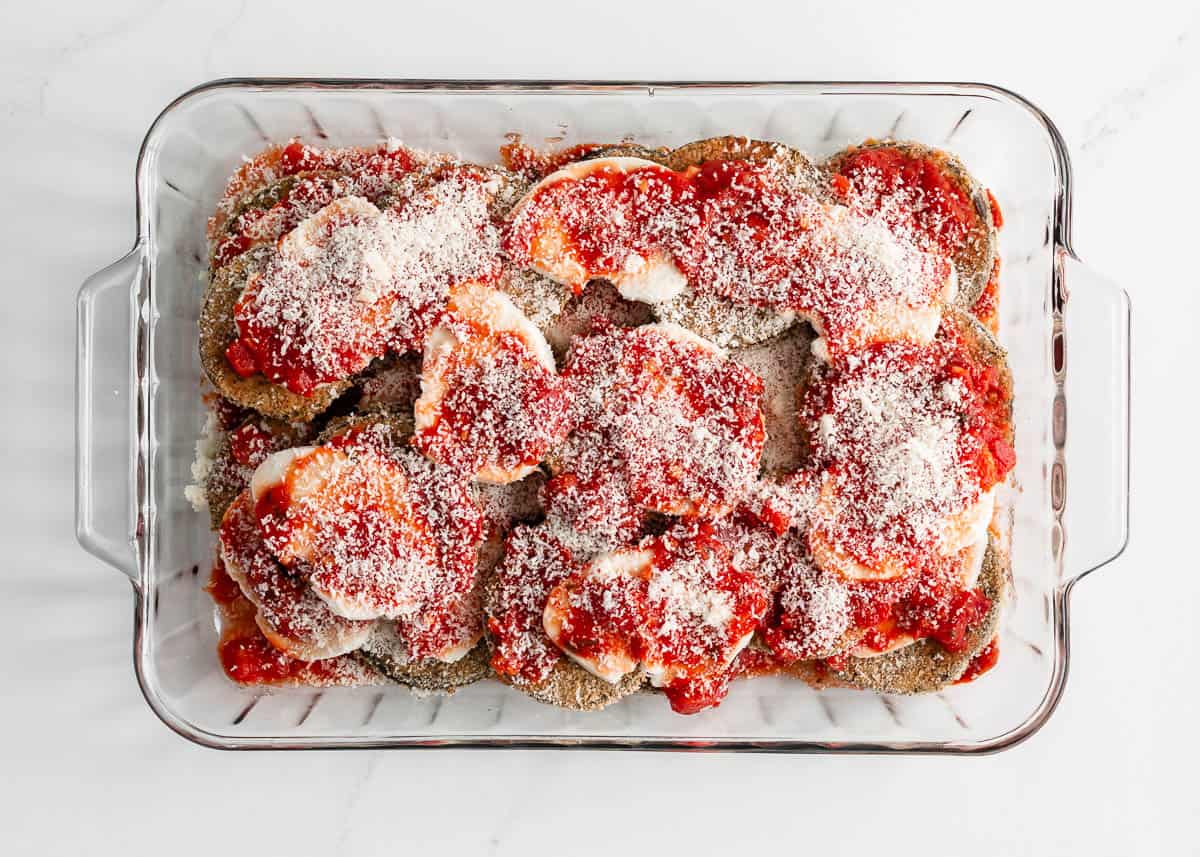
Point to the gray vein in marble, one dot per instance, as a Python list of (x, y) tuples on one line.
[(85, 41), (1129, 105), (353, 799)]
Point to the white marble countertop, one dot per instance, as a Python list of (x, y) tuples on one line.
[(88, 768)]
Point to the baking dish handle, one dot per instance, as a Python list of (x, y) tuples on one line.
[(1091, 359), (104, 519)]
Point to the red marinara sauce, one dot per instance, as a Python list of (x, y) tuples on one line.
[(685, 611), (592, 498), (503, 409), (984, 661), (638, 396), (914, 194), (251, 659), (250, 444), (433, 633), (994, 205), (248, 658), (221, 587), (385, 530), (598, 220), (605, 617), (743, 233), (533, 164)]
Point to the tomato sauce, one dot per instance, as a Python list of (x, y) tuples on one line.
[(503, 409), (593, 500), (379, 526), (748, 235), (915, 195), (284, 349), (997, 215), (736, 229), (985, 660), (685, 612), (638, 395), (250, 444), (221, 587), (533, 164)]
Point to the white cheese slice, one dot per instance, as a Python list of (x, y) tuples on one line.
[(652, 279), (612, 666), (495, 312)]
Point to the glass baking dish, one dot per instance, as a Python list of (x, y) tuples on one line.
[(139, 407)]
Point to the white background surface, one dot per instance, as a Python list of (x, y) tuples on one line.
[(85, 767)]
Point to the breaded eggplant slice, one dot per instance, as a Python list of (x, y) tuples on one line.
[(975, 260), (391, 383), (982, 347), (538, 297), (571, 686), (261, 199), (925, 666), (511, 188), (228, 477), (218, 330), (791, 162), (599, 302), (782, 363), (399, 422), (384, 653), (629, 150), (724, 322)]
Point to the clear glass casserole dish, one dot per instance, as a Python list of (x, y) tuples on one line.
[(139, 407)]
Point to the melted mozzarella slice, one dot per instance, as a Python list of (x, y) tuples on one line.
[(830, 557), (616, 660), (322, 485), (680, 334), (678, 604), (487, 342), (902, 305), (290, 615), (962, 531), (274, 469), (384, 533), (651, 277), (971, 559), (970, 526)]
